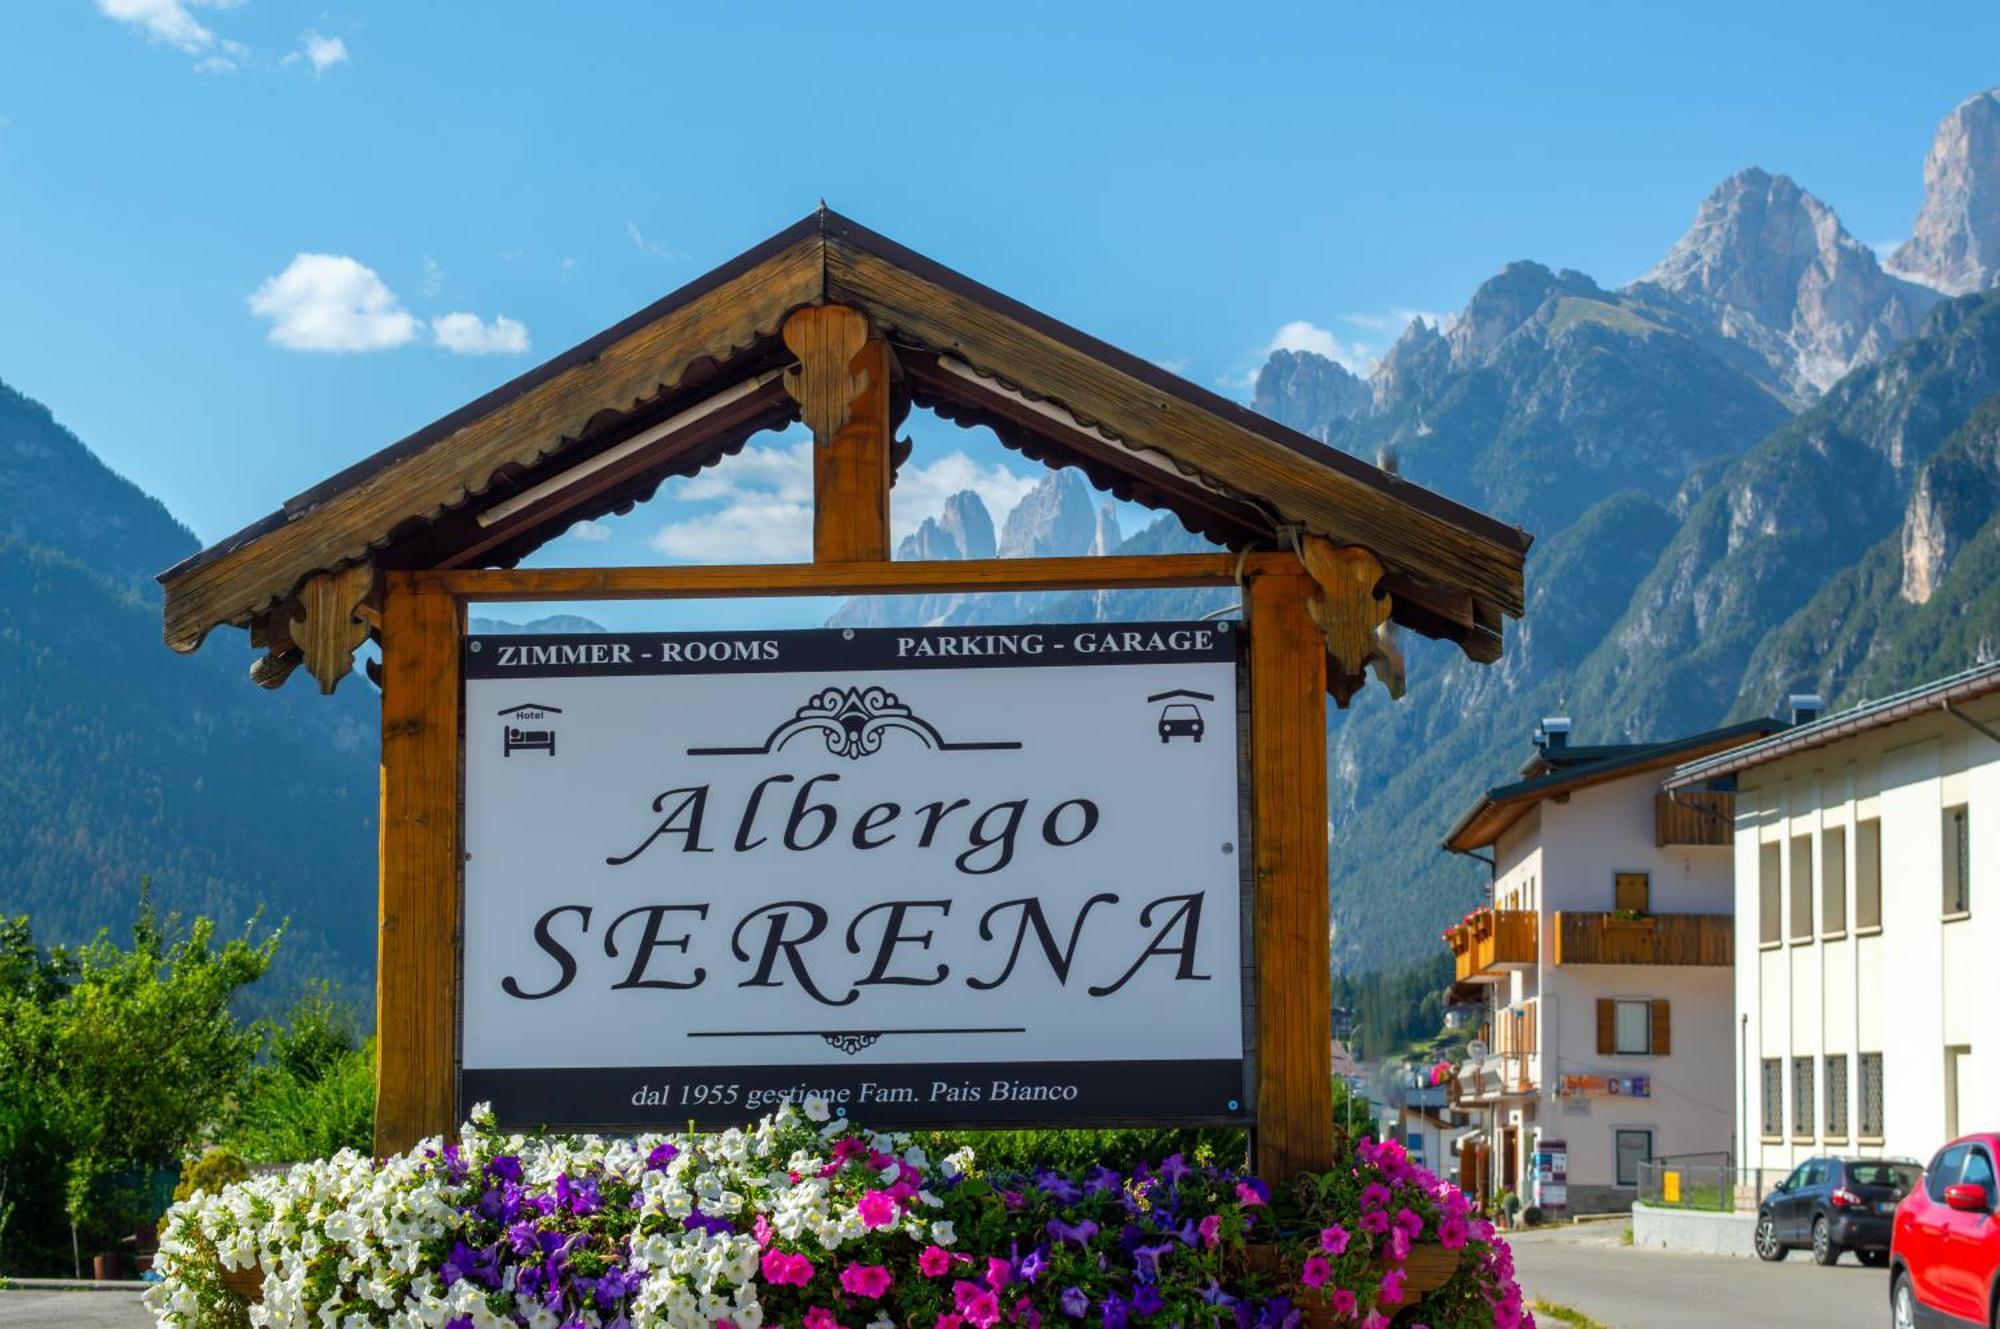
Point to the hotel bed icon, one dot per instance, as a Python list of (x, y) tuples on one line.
[(516, 738)]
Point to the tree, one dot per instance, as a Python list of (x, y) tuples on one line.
[(117, 1060)]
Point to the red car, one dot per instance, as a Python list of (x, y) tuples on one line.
[(1944, 1256)]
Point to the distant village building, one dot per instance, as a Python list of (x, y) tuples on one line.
[(1867, 871), (1603, 962)]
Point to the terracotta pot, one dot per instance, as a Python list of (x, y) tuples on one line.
[(245, 1283)]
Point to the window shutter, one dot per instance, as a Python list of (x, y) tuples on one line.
[(1663, 1029), (1607, 1041)]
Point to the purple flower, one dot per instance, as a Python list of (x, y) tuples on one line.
[(579, 1197), (1033, 1265), (1146, 1259), (617, 1284), (1074, 1303), (501, 1204), (712, 1224), (1116, 1313), (1057, 1187), (1147, 1301), (1100, 1179), (1174, 1169), (504, 1167), (1080, 1233), (521, 1237), (662, 1155)]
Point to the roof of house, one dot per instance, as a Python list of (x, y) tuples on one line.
[(1940, 694), (973, 355), (1500, 807)]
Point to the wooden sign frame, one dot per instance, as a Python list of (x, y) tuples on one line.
[(423, 626)]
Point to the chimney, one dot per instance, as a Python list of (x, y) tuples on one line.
[(1806, 707), (1553, 733)]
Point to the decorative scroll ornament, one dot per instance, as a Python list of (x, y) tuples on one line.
[(853, 722), (851, 1044), (826, 339), (1350, 609), (328, 626)]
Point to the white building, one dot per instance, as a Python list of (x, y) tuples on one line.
[(1605, 952), (1867, 869)]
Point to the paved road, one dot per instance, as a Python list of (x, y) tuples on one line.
[(1589, 1268), (88, 1310)]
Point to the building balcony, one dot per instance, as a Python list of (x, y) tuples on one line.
[(1492, 942), (1677, 939), (1694, 817), (1480, 1084)]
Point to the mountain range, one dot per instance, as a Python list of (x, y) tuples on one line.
[(1772, 463)]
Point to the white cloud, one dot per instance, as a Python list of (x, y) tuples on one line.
[(765, 530), (321, 52), (650, 247), (1356, 354), (567, 268), (467, 334), (766, 493), (329, 302), (433, 283), (169, 23), (590, 532)]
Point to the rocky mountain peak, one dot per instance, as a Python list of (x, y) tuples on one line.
[(1109, 536), (1414, 366), (1506, 301), (1769, 266), (1055, 519), (1956, 244), (969, 524), (1305, 390)]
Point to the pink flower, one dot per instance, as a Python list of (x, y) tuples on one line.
[(1399, 1246), (1392, 1288), (999, 1273), (761, 1229), (1375, 1320), (877, 1209), (865, 1280), (950, 1322), (1342, 1301), (1452, 1233), (1409, 1221), (781, 1268), (819, 1317), (1211, 1231), (1376, 1222), (934, 1262), (1247, 1195), (1333, 1240), (1316, 1271), (1374, 1195), (977, 1304)]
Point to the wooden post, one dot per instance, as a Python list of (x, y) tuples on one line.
[(842, 386), (1289, 815), (417, 954)]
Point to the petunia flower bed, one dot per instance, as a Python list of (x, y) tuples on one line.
[(809, 1223)]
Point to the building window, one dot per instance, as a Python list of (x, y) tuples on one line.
[(1836, 1097), (1632, 892), (1868, 873), (1802, 887), (1833, 880), (1871, 1095), (1768, 910), (1802, 1098), (1774, 1097), (1957, 1071), (1957, 861), (1633, 1033), (1633, 1148)]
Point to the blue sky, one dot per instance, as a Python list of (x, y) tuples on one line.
[(243, 244)]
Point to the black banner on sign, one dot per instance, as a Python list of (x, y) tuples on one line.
[(970, 1093), (626, 654)]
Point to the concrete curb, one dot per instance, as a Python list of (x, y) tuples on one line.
[(1695, 1231), (71, 1285)]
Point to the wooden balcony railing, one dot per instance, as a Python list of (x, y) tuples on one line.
[(1515, 1029), (1679, 939), (1493, 940), (1698, 817)]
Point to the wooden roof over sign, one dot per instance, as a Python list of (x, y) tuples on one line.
[(688, 380)]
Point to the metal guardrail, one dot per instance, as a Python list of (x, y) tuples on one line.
[(1701, 1182)]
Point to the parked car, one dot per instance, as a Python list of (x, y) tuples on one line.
[(1181, 720), (1830, 1205), (1946, 1252)]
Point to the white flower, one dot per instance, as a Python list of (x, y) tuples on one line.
[(943, 1233), (816, 1108)]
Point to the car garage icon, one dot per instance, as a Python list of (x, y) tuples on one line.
[(1179, 716)]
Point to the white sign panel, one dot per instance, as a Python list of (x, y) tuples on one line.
[(966, 875)]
